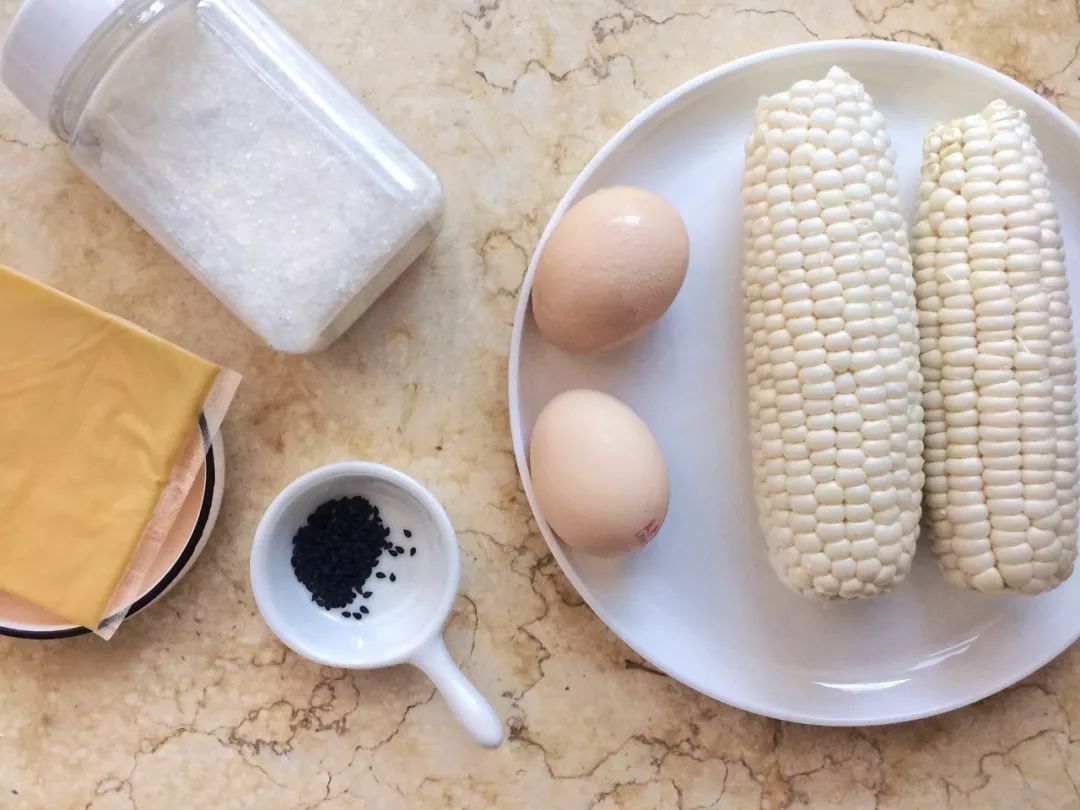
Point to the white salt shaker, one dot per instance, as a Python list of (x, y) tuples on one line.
[(224, 139)]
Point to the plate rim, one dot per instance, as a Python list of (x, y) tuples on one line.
[(570, 196)]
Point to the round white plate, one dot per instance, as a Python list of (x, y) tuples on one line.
[(701, 602)]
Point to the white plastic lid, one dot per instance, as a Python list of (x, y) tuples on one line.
[(41, 44)]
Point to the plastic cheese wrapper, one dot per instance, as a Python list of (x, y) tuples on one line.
[(103, 429)]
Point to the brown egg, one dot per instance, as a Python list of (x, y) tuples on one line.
[(610, 269), (598, 474)]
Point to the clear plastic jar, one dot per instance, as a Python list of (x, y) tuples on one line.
[(223, 138)]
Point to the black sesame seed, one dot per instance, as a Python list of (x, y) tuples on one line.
[(335, 551), (380, 575), (367, 594), (364, 609), (399, 549), (346, 614), (412, 552), (407, 533), (393, 577)]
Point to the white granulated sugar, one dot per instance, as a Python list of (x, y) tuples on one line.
[(285, 198)]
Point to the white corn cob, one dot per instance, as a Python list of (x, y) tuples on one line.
[(831, 342), (998, 358)]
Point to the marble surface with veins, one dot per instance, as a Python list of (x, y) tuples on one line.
[(195, 704)]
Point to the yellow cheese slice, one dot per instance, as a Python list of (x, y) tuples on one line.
[(93, 412)]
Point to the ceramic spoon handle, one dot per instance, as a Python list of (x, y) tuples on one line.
[(471, 708)]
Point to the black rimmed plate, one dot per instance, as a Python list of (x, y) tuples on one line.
[(182, 547)]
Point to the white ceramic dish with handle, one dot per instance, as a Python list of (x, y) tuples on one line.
[(407, 616), (701, 602)]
